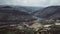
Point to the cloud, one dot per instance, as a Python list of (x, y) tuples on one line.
[(31, 2)]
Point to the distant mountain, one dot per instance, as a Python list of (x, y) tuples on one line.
[(51, 12), (28, 9), (10, 15), (37, 12)]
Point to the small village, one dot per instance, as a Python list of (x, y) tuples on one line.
[(45, 27)]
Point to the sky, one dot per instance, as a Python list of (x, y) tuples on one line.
[(37, 3)]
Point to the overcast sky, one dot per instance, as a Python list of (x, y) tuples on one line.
[(36, 3)]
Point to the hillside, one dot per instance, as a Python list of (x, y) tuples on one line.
[(9, 15), (51, 12)]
